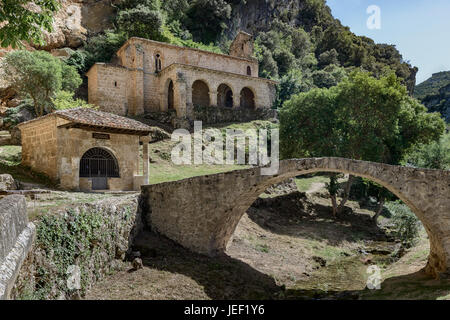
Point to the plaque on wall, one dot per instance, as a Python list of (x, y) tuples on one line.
[(102, 136)]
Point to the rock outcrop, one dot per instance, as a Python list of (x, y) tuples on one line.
[(76, 20), (7, 182)]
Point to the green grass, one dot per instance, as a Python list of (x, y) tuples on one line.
[(305, 183), (10, 155), (165, 172), (10, 158)]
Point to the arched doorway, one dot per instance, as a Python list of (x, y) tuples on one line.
[(170, 105), (247, 99), (224, 96), (99, 165), (200, 93)]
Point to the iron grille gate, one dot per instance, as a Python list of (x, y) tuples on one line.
[(99, 165)]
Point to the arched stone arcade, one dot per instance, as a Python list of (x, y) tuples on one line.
[(207, 224), (224, 96), (247, 98), (200, 93)]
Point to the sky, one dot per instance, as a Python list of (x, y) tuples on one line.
[(420, 29)]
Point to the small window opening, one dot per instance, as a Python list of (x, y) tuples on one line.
[(157, 63), (249, 71)]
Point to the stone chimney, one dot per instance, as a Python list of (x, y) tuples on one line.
[(242, 45)]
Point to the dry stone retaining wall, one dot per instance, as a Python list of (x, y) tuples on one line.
[(16, 238)]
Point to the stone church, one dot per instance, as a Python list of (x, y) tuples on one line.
[(157, 77)]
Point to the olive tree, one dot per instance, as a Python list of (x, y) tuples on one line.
[(39, 76)]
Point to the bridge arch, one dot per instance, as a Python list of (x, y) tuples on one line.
[(207, 224)]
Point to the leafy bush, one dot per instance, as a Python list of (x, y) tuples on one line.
[(100, 48), (206, 19), (23, 112), (38, 76), (405, 222), (142, 19), (435, 155), (88, 237), (65, 100)]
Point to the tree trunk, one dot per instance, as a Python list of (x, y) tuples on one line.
[(379, 209), (346, 193), (334, 205)]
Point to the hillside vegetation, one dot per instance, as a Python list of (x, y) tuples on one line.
[(296, 42), (432, 85), (434, 93)]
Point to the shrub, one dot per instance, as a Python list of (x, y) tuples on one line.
[(406, 224), (65, 100), (39, 76)]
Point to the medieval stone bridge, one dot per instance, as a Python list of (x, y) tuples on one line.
[(201, 213)]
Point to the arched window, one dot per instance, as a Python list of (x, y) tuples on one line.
[(170, 96), (98, 162), (158, 62), (249, 71)]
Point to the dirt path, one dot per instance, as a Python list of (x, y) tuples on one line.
[(315, 187), (284, 248)]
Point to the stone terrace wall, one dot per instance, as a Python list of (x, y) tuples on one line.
[(212, 115), (16, 238), (95, 237)]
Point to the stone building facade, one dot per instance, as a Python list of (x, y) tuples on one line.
[(153, 76), (85, 149)]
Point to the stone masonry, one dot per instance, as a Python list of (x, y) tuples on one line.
[(16, 238), (207, 224), (151, 76), (56, 143)]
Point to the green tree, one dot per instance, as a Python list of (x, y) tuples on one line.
[(361, 118), (39, 76), (435, 155), (206, 19), (65, 100), (23, 20), (142, 19)]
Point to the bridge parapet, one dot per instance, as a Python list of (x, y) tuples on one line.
[(201, 213)]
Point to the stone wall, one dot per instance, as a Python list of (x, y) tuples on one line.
[(56, 152), (140, 84), (184, 77), (108, 85), (171, 54), (16, 237), (207, 224), (94, 237), (213, 115), (39, 146), (73, 143)]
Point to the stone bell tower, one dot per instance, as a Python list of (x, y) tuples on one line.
[(242, 45)]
